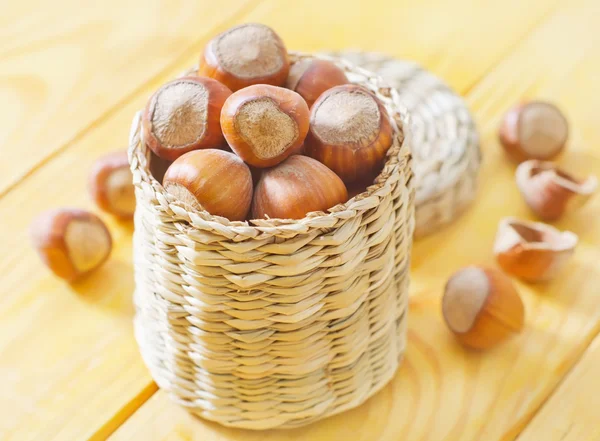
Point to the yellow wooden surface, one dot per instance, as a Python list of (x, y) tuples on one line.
[(66, 65), (69, 368), (572, 412)]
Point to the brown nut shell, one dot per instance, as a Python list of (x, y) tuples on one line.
[(357, 188), (549, 191), (295, 187), (111, 185), (158, 166), (310, 77), (244, 55), (212, 180), (534, 130), (265, 124), (256, 174), (350, 132), (482, 307), (183, 115), (532, 251), (71, 242)]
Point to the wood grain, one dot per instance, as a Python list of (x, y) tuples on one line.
[(573, 411), (442, 391), (49, 331), (65, 65), (458, 40)]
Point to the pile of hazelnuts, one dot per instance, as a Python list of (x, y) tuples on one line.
[(253, 137)]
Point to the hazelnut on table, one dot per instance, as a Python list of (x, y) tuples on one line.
[(534, 130), (111, 185), (71, 242), (482, 307)]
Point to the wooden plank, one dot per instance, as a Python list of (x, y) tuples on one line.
[(573, 411), (64, 65), (459, 40), (441, 390), (47, 323)]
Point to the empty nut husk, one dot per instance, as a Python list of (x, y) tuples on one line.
[(532, 251), (549, 191)]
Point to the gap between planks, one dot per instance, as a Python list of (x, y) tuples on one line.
[(124, 413), (591, 344)]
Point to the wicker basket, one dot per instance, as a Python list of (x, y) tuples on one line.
[(279, 323), (444, 139)]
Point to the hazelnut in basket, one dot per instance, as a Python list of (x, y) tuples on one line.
[(350, 132), (183, 115), (244, 55), (212, 180), (295, 187), (264, 124)]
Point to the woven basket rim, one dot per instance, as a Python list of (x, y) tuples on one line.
[(399, 154)]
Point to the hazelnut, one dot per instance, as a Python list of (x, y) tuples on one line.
[(350, 132), (71, 242), (295, 187), (111, 185), (311, 77), (357, 188), (482, 307), (256, 174), (158, 166), (245, 55), (183, 115), (549, 191), (532, 251), (535, 130), (265, 124), (212, 180)]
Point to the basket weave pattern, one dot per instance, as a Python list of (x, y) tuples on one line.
[(444, 139), (278, 323)]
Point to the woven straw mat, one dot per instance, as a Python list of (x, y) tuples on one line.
[(279, 323), (444, 139)]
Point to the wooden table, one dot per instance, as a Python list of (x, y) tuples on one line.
[(73, 73)]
